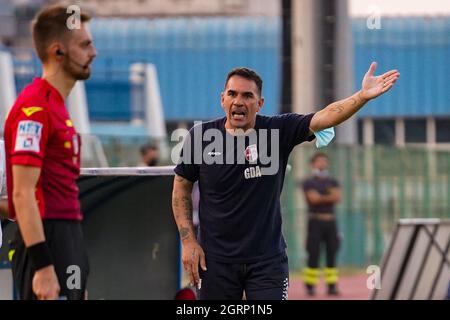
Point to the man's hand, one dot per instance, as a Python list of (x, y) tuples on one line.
[(192, 256), (374, 86), (339, 111), (45, 284)]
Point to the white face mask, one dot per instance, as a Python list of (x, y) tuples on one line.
[(320, 173), (324, 137)]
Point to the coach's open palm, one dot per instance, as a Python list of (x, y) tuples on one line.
[(374, 86), (192, 256)]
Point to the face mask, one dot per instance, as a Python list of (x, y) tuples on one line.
[(324, 137), (320, 173), (152, 163)]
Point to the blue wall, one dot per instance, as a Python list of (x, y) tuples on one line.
[(192, 56), (419, 47)]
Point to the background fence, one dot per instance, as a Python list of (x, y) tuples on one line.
[(380, 184)]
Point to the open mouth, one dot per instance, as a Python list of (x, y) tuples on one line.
[(238, 115), (88, 64)]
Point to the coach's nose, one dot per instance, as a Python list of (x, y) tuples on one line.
[(238, 101)]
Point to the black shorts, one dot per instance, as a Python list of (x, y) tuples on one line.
[(262, 280), (65, 240)]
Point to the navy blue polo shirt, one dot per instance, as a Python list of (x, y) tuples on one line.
[(240, 181), (323, 186)]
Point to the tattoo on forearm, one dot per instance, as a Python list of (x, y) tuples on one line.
[(184, 233), (176, 206), (338, 108), (360, 101), (353, 101), (182, 207), (187, 206), (188, 216)]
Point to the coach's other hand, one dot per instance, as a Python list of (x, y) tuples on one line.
[(45, 284), (192, 256), (374, 86)]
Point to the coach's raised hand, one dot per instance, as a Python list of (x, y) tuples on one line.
[(339, 111), (374, 86)]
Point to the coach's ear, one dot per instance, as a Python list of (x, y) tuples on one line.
[(222, 98), (260, 103)]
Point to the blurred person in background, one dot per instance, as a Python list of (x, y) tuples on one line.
[(240, 248), (149, 155), (43, 163), (322, 193)]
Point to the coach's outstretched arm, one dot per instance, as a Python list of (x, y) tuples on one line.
[(192, 253), (337, 112)]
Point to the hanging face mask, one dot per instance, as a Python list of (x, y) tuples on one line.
[(320, 173), (324, 137), (152, 162)]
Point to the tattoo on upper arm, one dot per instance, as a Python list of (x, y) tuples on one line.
[(179, 179), (175, 201)]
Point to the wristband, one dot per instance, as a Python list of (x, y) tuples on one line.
[(40, 255)]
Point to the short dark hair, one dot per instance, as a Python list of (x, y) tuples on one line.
[(147, 147), (247, 74), (50, 24), (318, 155)]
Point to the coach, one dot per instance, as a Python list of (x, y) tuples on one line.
[(241, 248)]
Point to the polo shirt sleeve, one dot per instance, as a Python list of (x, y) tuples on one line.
[(187, 167), (30, 135), (294, 129)]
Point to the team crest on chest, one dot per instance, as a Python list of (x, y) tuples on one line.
[(251, 153)]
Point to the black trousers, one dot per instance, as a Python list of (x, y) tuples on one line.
[(65, 240), (322, 232), (262, 280)]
